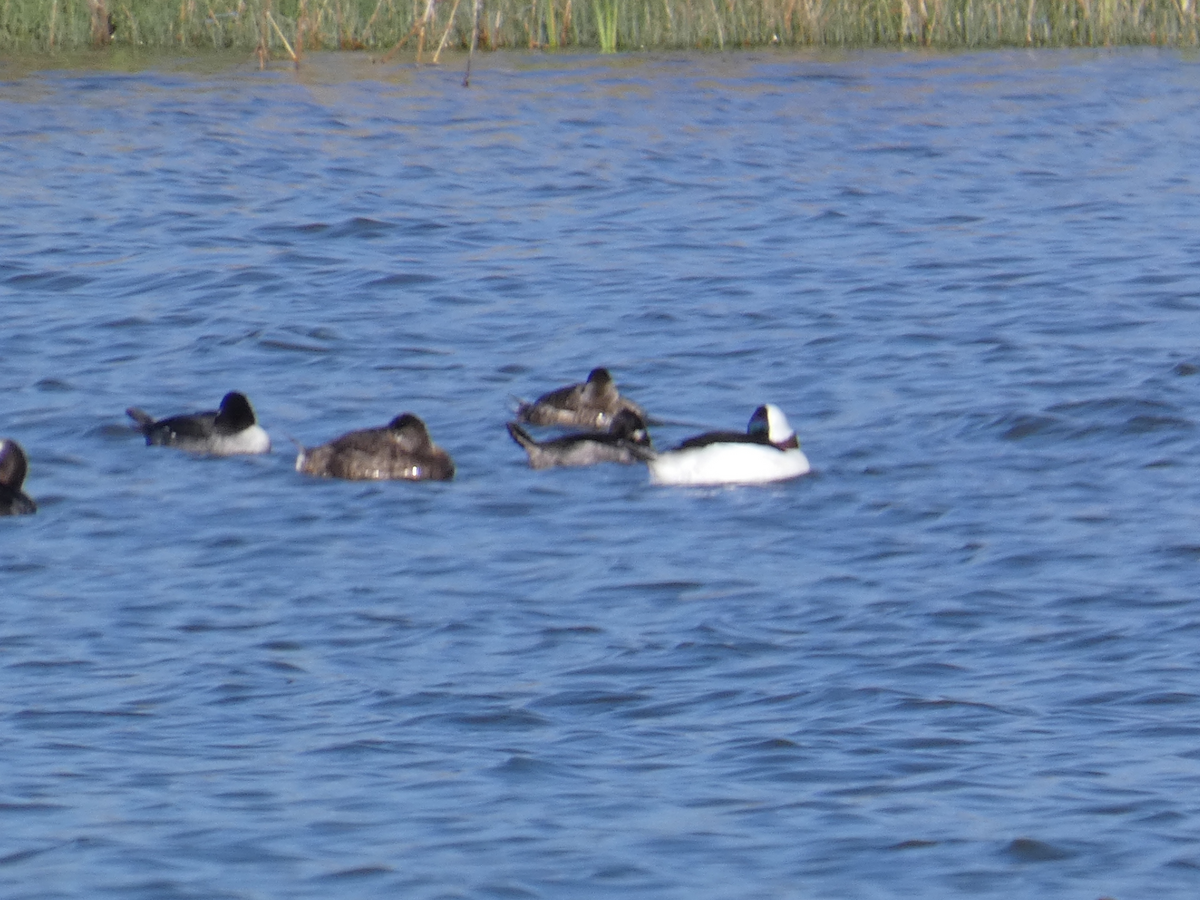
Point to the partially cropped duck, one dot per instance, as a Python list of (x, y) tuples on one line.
[(13, 467), (767, 451), (592, 404), (401, 449), (626, 441), (229, 431)]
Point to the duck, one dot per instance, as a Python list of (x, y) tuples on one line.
[(626, 441), (13, 468), (591, 404), (768, 451), (402, 449), (230, 430)]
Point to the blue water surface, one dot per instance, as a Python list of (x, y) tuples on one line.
[(961, 659)]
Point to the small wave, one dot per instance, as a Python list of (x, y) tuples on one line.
[(358, 872), (49, 281), (403, 278), (361, 227), (913, 844), (1020, 427), (1084, 419), (1030, 850), (291, 346), (286, 230), (20, 856), (514, 719)]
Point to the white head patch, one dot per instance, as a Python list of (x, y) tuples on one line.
[(778, 429)]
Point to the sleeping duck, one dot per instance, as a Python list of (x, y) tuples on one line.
[(626, 441), (593, 404), (402, 449)]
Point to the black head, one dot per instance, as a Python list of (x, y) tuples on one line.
[(235, 413), (760, 424), (13, 464), (410, 431), (769, 425), (629, 425), (599, 378), (599, 387)]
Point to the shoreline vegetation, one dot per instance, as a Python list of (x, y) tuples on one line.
[(286, 29)]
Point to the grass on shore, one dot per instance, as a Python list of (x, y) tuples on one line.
[(289, 27)]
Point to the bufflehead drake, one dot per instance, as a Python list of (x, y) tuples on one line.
[(626, 441), (401, 449), (592, 404), (228, 431), (767, 451), (13, 466)]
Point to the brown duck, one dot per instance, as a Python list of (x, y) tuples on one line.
[(593, 404), (401, 449)]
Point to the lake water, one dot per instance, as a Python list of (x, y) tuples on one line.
[(961, 659)]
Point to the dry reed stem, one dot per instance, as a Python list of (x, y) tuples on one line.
[(400, 43), (371, 21), (279, 31), (425, 19), (445, 34), (260, 28), (474, 39), (216, 24), (301, 25)]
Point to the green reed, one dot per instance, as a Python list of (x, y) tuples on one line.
[(281, 28), (605, 12)]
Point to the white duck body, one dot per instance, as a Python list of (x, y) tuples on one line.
[(767, 451)]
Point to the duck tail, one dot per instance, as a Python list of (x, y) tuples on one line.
[(523, 408), (643, 452), (521, 436), (301, 453), (143, 419)]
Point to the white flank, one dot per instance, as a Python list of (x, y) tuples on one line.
[(247, 441), (728, 464)]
